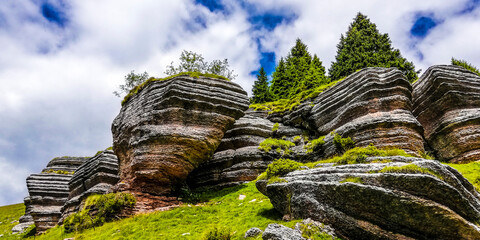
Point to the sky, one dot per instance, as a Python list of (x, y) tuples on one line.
[(61, 60)]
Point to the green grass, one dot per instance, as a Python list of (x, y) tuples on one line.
[(471, 171), (9, 214), (314, 144), (352, 180), (280, 145), (221, 209), (139, 87), (283, 105), (59, 172), (409, 168), (359, 155)]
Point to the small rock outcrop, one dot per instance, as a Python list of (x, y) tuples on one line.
[(411, 198), (49, 191), (168, 129), (447, 104), (96, 176), (26, 220), (279, 232), (237, 159)]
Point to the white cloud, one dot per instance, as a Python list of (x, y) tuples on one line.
[(12, 182)]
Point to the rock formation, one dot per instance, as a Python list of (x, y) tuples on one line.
[(370, 106), (237, 159), (447, 104), (411, 198), (96, 176), (49, 191), (168, 129)]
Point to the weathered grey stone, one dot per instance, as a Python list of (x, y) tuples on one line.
[(315, 227), (96, 176), (447, 104), (279, 232), (237, 159), (168, 129), (49, 191), (438, 204), (253, 232)]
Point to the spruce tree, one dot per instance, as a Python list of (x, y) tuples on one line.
[(364, 46), (297, 73), (280, 83), (260, 89)]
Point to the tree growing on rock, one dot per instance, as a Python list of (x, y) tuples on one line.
[(364, 46), (297, 72), (466, 65), (261, 92), (131, 80), (194, 62)]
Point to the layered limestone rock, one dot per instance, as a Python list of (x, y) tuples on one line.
[(372, 106), (237, 159), (26, 220), (168, 129), (409, 199), (96, 176), (49, 191), (447, 103)]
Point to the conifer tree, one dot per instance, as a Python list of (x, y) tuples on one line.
[(364, 46), (297, 73), (261, 92)]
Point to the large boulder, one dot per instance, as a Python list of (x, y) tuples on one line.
[(168, 129), (446, 101), (96, 176), (49, 191), (237, 159), (372, 106), (410, 198)]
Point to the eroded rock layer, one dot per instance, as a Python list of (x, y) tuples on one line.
[(447, 103), (360, 201), (49, 191), (169, 128), (96, 176), (237, 159), (372, 106)]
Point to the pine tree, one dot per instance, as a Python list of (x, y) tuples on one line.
[(280, 83), (261, 92), (364, 46), (297, 73)]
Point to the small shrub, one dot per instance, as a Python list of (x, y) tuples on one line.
[(280, 167), (108, 206), (297, 139), (218, 233), (425, 155), (315, 144), (280, 145), (275, 127), (342, 144)]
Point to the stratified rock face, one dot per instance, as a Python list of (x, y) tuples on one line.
[(237, 159), (447, 104), (26, 220), (169, 128), (360, 202), (370, 106), (96, 176), (49, 191)]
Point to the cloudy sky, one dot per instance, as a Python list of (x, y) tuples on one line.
[(61, 60)]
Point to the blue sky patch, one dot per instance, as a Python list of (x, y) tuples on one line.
[(53, 14), (470, 6), (212, 5), (268, 62), (422, 26), (270, 21)]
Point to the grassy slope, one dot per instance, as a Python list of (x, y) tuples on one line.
[(9, 214), (222, 208)]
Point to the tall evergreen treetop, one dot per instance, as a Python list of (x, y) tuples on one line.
[(297, 72), (364, 46), (261, 92)]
